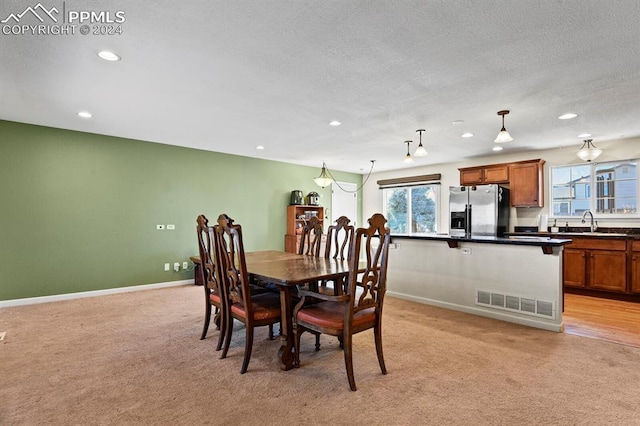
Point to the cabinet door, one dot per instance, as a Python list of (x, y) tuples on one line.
[(526, 185), (471, 176), (574, 271), (635, 272), (608, 270), (499, 174)]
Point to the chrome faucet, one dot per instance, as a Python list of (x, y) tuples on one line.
[(594, 223)]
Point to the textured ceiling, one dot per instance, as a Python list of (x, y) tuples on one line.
[(229, 75)]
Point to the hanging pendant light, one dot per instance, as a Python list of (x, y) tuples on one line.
[(324, 179), (407, 158), (588, 151), (420, 151), (503, 136)]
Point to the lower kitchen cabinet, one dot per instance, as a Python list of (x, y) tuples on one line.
[(575, 268), (596, 264), (635, 267)]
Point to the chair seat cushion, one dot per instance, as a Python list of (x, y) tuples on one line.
[(329, 314), (265, 306), (215, 298)]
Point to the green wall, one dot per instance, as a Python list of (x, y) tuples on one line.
[(78, 211)]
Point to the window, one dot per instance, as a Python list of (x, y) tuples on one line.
[(607, 189), (412, 210)]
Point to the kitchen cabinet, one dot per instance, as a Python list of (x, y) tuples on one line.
[(497, 173), (635, 267), (525, 180), (596, 264), (526, 183), (297, 216)]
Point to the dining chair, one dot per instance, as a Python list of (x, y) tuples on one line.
[(212, 289), (311, 238), (254, 310), (360, 307), (337, 246)]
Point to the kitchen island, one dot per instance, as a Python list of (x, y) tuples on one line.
[(511, 279)]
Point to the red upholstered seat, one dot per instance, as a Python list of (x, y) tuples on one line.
[(265, 306), (327, 314)]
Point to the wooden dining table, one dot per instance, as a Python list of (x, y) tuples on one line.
[(286, 271)]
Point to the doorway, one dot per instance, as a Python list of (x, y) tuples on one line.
[(344, 203)]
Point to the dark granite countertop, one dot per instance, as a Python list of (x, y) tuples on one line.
[(545, 242)]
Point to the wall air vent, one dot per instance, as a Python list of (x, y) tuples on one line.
[(509, 302)]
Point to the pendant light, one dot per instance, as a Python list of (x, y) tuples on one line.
[(503, 136), (420, 151), (588, 151), (407, 158), (324, 179)]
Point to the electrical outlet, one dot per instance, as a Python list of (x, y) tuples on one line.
[(160, 227), (167, 267), (185, 265), (171, 227), (176, 267)]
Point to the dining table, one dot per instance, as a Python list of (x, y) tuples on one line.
[(287, 271)]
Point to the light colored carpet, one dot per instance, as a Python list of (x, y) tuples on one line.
[(136, 358)]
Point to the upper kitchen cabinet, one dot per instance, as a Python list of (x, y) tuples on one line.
[(524, 178), (526, 183), (496, 173)]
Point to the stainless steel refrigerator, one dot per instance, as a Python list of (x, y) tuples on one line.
[(478, 211)]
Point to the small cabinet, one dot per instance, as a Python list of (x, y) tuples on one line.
[(526, 184), (297, 216), (635, 267), (596, 264), (498, 173)]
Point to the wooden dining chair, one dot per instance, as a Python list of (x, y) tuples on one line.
[(360, 307), (311, 238), (254, 310), (212, 289), (337, 246)]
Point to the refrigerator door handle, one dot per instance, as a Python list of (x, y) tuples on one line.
[(468, 217)]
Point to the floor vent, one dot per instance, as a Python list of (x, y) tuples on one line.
[(524, 305)]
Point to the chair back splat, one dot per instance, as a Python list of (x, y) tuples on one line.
[(360, 307), (311, 238)]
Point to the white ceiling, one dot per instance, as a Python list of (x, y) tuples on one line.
[(229, 75)]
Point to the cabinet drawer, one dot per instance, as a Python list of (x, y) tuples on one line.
[(635, 246), (598, 244)]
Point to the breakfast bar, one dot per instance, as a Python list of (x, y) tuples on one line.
[(516, 279)]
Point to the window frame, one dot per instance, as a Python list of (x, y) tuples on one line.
[(436, 186), (592, 193)]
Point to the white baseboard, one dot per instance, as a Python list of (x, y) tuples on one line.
[(79, 295), (475, 311)]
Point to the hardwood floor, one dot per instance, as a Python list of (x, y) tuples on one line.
[(604, 319)]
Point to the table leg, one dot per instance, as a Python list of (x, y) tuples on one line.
[(285, 353)]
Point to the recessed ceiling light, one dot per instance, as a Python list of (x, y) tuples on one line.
[(259, 147), (108, 56), (497, 148), (457, 122), (584, 135), (334, 123), (568, 116), (85, 114), (467, 135)]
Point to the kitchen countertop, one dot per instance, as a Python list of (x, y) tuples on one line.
[(545, 242)]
